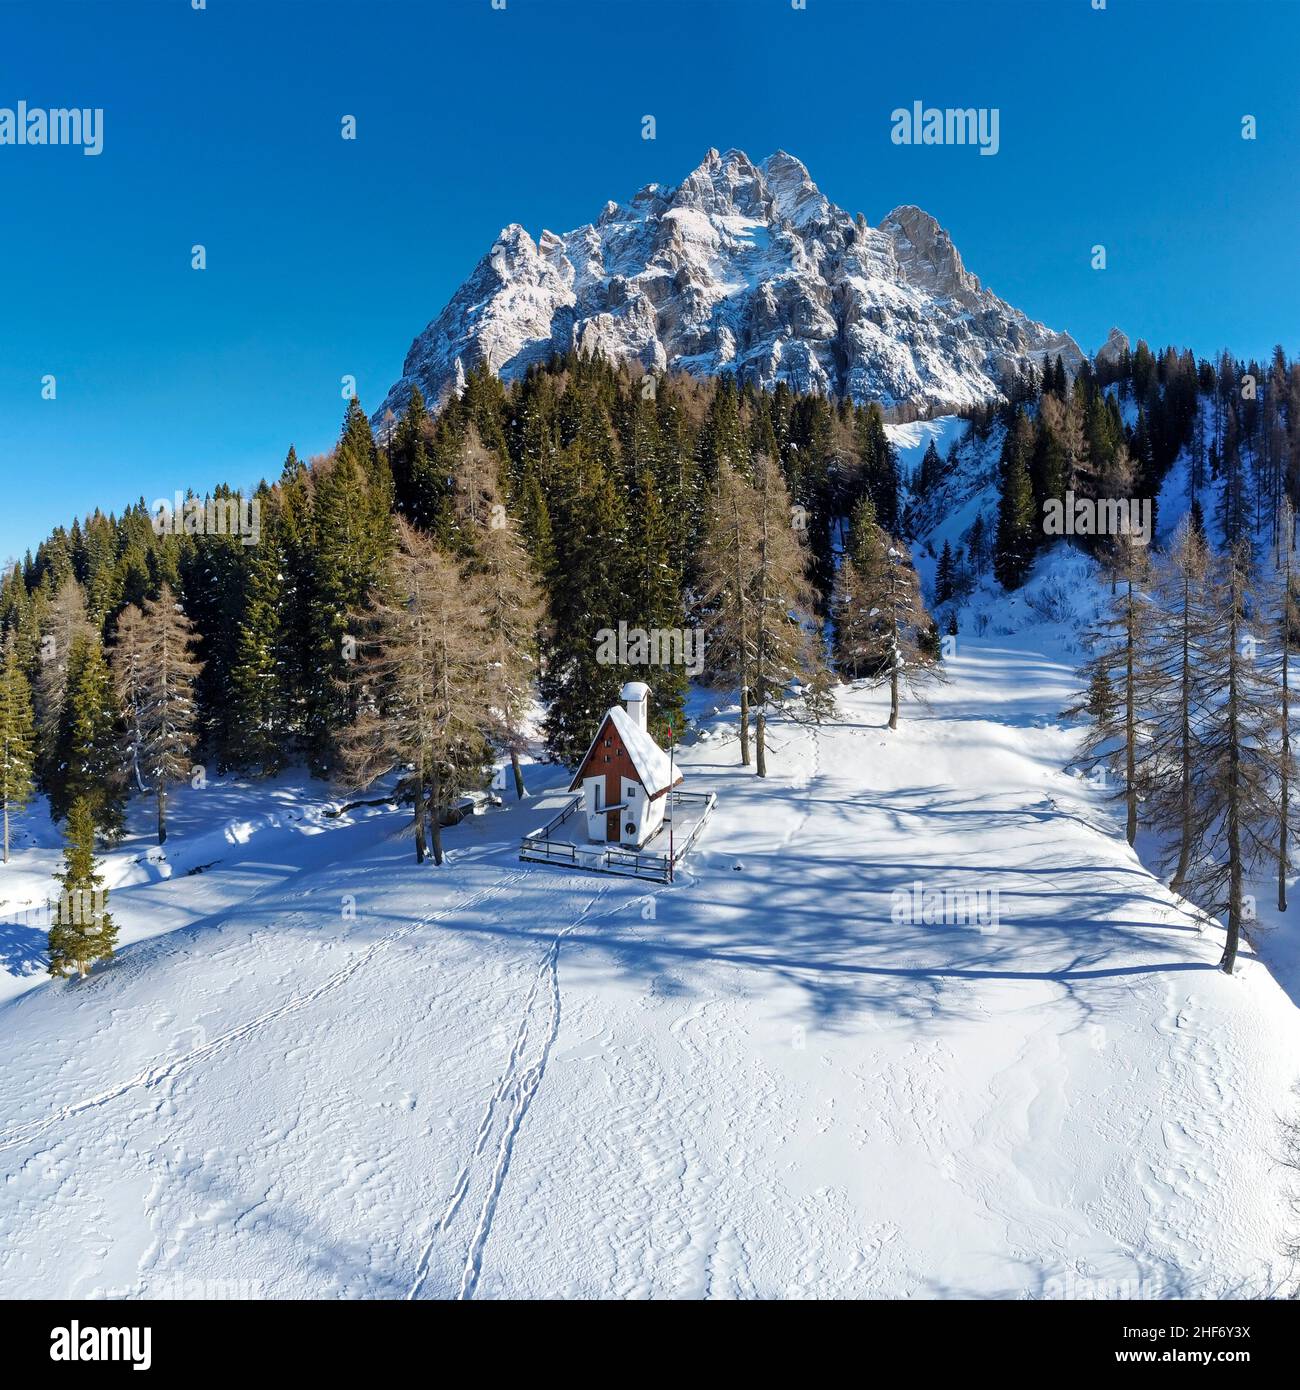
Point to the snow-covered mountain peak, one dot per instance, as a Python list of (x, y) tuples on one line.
[(926, 254), (740, 267)]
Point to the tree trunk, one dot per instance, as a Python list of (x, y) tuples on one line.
[(744, 723), (744, 639), (418, 816), (435, 818), (1233, 810), (6, 813), (1130, 728), (521, 791), (761, 656), (1286, 761), (1185, 739), (162, 810), (893, 697), (1286, 725)]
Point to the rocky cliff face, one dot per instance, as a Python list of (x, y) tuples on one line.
[(1115, 346), (746, 268)]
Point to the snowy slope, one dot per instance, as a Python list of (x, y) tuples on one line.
[(746, 268), (502, 1079)]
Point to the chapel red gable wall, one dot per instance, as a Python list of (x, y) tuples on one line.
[(620, 764)]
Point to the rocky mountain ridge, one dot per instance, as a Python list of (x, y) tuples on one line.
[(746, 268)]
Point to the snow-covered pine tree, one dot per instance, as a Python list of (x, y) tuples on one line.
[(155, 671), (17, 735), (420, 688), (81, 929)]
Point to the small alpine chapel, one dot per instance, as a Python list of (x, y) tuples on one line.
[(625, 777)]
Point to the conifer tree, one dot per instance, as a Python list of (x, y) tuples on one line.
[(977, 546), (943, 575), (1120, 640), (81, 930), (727, 570), (257, 734), (930, 471), (782, 602), (17, 736), (1288, 621), (86, 762), (656, 599), (879, 464), (155, 673), (19, 617), (421, 696), (1238, 762), (884, 632), (502, 584), (420, 486), (1018, 526), (586, 594), (1065, 449), (65, 618), (1196, 518), (1100, 700), (351, 539), (859, 640), (1172, 669), (291, 528), (722, 441)]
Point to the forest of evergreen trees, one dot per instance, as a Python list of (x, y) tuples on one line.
[(408, 599), (1188, 683)]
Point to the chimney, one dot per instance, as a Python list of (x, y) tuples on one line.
[(636, 696)]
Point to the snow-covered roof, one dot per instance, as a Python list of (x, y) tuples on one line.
[(651, 763)]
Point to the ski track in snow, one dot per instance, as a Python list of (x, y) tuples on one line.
[(763, 1087), (504, 1115), (172, 1067)]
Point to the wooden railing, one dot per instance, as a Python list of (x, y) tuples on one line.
[(614, 859)]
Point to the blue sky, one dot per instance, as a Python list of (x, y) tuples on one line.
[(326, 257)]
